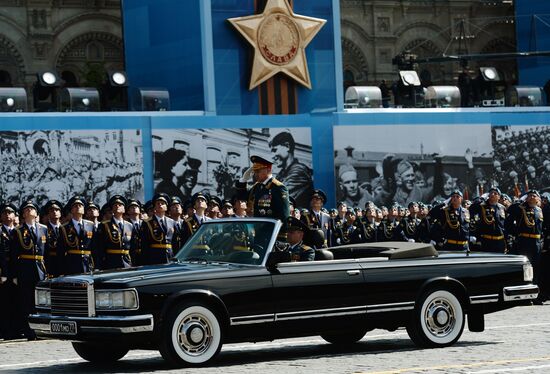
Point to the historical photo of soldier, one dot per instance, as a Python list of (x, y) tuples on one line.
[(402, 164), (58, 164), (210, 161)]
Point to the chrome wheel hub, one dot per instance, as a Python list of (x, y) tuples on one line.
[(195, 334), (440, 317)]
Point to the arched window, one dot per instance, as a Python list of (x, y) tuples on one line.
[(70, 78), (5, 79)]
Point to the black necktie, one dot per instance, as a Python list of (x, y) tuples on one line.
[(121, 227), (56, 229), (33, 233), (163, 224), (80, 230)]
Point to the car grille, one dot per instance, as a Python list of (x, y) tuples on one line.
[(70, 299)]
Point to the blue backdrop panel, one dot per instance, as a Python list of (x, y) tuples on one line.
[(163, 48), (533, 34), (233, 56)]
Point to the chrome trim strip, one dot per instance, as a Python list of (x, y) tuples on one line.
[(395, 309), (525, 292), (91, 300), (432, 262), (316, 312), (328, 314), (484, 299), (322, 313)]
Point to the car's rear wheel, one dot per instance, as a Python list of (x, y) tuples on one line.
[(344, 337), (100, 353), (438, 319), (192, 335)]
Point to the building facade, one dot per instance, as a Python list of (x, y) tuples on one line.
[(374, 31), (80, 39)]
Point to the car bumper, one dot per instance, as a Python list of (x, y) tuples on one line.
[(517, 293), (101, 325)]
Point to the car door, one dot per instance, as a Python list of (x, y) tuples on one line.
[(309, 292)]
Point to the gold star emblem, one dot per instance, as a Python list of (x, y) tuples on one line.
[(279, 38)]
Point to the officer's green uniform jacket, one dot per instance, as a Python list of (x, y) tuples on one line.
[(268, 199)]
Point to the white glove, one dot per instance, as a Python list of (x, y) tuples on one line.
[(247, 175), (473, 239), (3, 279), (14, 280), (411, 240), (432, 242)]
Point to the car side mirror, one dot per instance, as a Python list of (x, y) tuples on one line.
[(276, 258)]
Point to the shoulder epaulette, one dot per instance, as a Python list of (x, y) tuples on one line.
[(105, 222), (276, 182), (66, 224), (42, 226), (306, 247), (148, 219), (189, 219), (88, 222)]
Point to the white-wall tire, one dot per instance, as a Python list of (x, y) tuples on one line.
[(438, 319), (192, 335)]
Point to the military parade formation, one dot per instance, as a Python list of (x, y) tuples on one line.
[(79, 236)]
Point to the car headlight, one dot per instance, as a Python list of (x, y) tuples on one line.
[(42, 298), (116, 299), (527, 272)]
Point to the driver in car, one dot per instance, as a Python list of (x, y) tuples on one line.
[(295, 236)]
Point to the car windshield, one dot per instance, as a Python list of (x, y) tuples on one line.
[(243, 242)]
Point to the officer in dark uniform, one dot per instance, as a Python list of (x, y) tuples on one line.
[(367, 224), (390, 229), (295, 236), (192, 224), (113, 239), (8, 291), (176, 213), (92, 213), (524, 223), (28, 245), (157, 233), (488, 217), (409, 224), (315, 218), (268, 197), (74, 247), (214, 205), (133, 214), (335, 234), (53, 213), (423, 228), (452, 226)]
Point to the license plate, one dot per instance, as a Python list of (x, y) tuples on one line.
[(63, 328)]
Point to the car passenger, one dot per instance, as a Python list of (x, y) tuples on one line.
[(295, 236)]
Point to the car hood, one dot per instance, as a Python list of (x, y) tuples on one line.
[(165, 272)]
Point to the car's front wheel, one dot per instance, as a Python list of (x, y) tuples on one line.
[(344, 337), (438, 319), (192, 335), (100, 353)]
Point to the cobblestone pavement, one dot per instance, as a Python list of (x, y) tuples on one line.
[(515, 341)]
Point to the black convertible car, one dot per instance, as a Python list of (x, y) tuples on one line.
[(213, 294)]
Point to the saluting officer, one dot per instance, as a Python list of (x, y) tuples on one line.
[(113, 239), (525, 223), (28, 245), (192, 224), (268, 197), (295, 236), (367, 224), (74, 247), (453, 225), (157, 233), (53, 212), (489, 217)]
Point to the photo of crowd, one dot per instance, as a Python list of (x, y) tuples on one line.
[(212, 160), (521, 159), (401, 164), (45, 165)]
